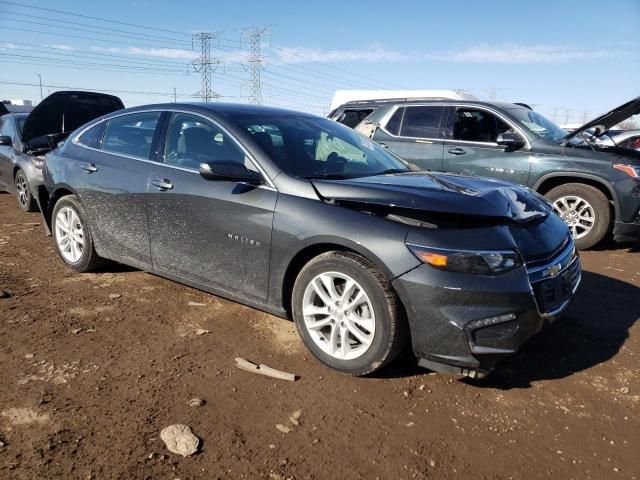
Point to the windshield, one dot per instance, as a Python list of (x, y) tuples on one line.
[(311, 147), (21, 124), (538, 124)]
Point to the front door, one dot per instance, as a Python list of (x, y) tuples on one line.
[(413, 133), (111, 178), (471, 147), (215, 233)]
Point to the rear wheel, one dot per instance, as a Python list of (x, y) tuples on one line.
[(347, 314), (25, 200), (585, 209), (72, 236)]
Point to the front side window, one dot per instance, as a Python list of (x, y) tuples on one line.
[(422, 122), (6, 129), (311, 147), (351, 118), (471, 125), (131, 134), (192, 140)]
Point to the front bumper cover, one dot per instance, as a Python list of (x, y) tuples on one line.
[(465, 324)]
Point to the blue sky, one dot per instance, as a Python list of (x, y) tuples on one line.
[(576, 59)]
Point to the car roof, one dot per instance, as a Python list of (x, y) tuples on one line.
[(15, 115), (223, 108)]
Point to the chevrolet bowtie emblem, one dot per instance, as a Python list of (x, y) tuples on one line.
[(553, 270)]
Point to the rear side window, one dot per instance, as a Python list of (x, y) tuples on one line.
[(131, 134), (92, 137), (351, 118), (422, 122), (393, 125)]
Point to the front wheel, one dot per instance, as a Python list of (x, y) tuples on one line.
[(26, 202), (72, 236), (347, 314), (585, 209)]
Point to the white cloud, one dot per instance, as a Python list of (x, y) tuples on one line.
[(151, 52), (59, 46), (374, 53), (521, 54)]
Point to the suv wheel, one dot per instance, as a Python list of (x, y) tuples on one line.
[(25, 200), (347, 314), (72, 236), (585, 209)]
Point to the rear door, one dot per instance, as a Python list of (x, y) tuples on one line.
[(214, 233), (471, 147), (414, 133), (111, 177)]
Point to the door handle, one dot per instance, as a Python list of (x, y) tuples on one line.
[(457, 151), (383, 145), (89, 167), (163, 184)]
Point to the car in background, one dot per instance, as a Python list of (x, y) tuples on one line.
[(26, 137), (594, 187), (629, 139), (7, 107), (305, 218)]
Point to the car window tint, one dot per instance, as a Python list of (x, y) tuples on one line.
[(192, 140), (393, 125), (421, 122), (477, 126), (93, 136), (131, 134)]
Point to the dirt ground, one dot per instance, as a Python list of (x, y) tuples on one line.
[(94, 366)]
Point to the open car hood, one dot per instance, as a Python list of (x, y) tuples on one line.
[(439, 193), (63, 112), (609, 119)]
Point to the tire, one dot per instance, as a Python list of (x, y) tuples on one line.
[(573, 199), (82, 258), (375, 325), (26, 202)]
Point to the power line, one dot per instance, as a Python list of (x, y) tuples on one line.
[(69, 22), (67, 87), (62, 12)]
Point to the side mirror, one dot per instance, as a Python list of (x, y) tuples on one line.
[(6, 140), (510, 140), (229, 171)]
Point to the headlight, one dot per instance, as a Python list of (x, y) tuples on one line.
[(466, 261), (628, 169), (38, 161)]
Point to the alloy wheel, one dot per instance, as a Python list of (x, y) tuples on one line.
[(338, 315), (22, 186), (577, 213), (69, 234)]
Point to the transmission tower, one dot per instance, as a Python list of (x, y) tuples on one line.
[(255, 61), (206, 65)]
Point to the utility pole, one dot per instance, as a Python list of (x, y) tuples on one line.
[(175, 97), (255, 60), (585, 115), (555, 115), (206, 65), (40, 77)]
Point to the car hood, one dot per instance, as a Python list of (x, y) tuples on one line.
[(63, 112), (609, 119), (439, 193)]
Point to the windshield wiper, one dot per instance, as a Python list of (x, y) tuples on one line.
[(391, 170), (327, 176)]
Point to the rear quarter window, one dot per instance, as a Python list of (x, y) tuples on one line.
[(92, 137), (131, 135)]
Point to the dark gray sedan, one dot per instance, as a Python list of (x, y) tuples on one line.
[(303, 217)]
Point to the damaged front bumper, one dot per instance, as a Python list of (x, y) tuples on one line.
[(464, 324)]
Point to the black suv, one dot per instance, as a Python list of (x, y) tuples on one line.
[(592, 184)]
